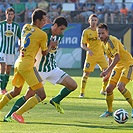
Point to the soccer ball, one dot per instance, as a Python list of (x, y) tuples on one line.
[(121, 116)]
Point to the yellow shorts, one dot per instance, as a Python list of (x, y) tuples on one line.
[(31, 77), (91, 62), (122, 74)]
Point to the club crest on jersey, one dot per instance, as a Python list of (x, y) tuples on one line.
[(8, 33), (87, 65)]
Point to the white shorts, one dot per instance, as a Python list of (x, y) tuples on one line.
[(7, 58), (55, 76)]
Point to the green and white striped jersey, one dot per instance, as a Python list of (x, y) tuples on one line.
[(8, 34), (48, 62)]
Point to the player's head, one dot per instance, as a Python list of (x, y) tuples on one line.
[(9, 14), (59, 25), (102, 31), (93, 20), (39, 18)]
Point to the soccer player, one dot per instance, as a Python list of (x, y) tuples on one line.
[(121, 66), (49, 71), (9, 30), (91, 44), (33, 38)]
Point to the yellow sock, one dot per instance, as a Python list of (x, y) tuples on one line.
[(30, 103), (5, 99), (83, 84), (104, 84), (109, 100), (128, 97)]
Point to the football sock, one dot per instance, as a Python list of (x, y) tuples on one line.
[(6, 79), (16, 106), (128, 97), (109, 100), (63, 93), (5, 99), (30, 103), (3, 81), (104, 84), (83, 84)]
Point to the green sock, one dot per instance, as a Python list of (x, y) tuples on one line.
[(6, 79), (16, 106), (3, 81), (63, 93)]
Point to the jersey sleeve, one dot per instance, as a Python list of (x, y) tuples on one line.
[(84, 37), (19, 32), (114, 46), (44, 42)]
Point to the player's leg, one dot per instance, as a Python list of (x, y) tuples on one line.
[(111, 86), (18, 104), (89, 66), (2, 77), (83, 84), (15, 91), (9, 63), (9, 95), (69, 86), (36, 85), (30, 103), (109, 100), (58, 76), (125, 78), (103, 64)]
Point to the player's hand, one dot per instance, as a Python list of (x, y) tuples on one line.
[(53, 44)]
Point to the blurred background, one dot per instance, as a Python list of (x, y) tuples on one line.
[(118, 14)]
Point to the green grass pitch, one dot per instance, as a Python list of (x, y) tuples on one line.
[(81, 115)]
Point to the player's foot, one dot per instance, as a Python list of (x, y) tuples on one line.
[(103, 92), (3, 91), (8, 119), (132, 113), (57, 106), (81, 95), (18, 118), (107, 114)]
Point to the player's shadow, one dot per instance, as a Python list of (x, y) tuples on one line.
[(86, 125)]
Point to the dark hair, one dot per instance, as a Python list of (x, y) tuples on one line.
[(93, 15), (103, 25), (10, 9), (60, 21), (38, 14)]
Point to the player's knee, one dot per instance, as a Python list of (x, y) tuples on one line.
[(42, 96), (15, 92), (74, 86), (121, 87)]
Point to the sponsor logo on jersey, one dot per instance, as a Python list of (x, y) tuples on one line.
[(8, 33)]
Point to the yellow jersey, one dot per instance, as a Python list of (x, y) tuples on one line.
[(114, 46), (90, 38), (32, 38)]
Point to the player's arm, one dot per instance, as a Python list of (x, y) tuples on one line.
[(52, 45), (84, 46), (112, 65)]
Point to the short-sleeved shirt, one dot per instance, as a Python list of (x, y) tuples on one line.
[(32, 39), (48, 62), (114, 46), (90, 37), (8, 33)]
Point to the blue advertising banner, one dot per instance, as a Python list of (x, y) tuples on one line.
[(72, 36)]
